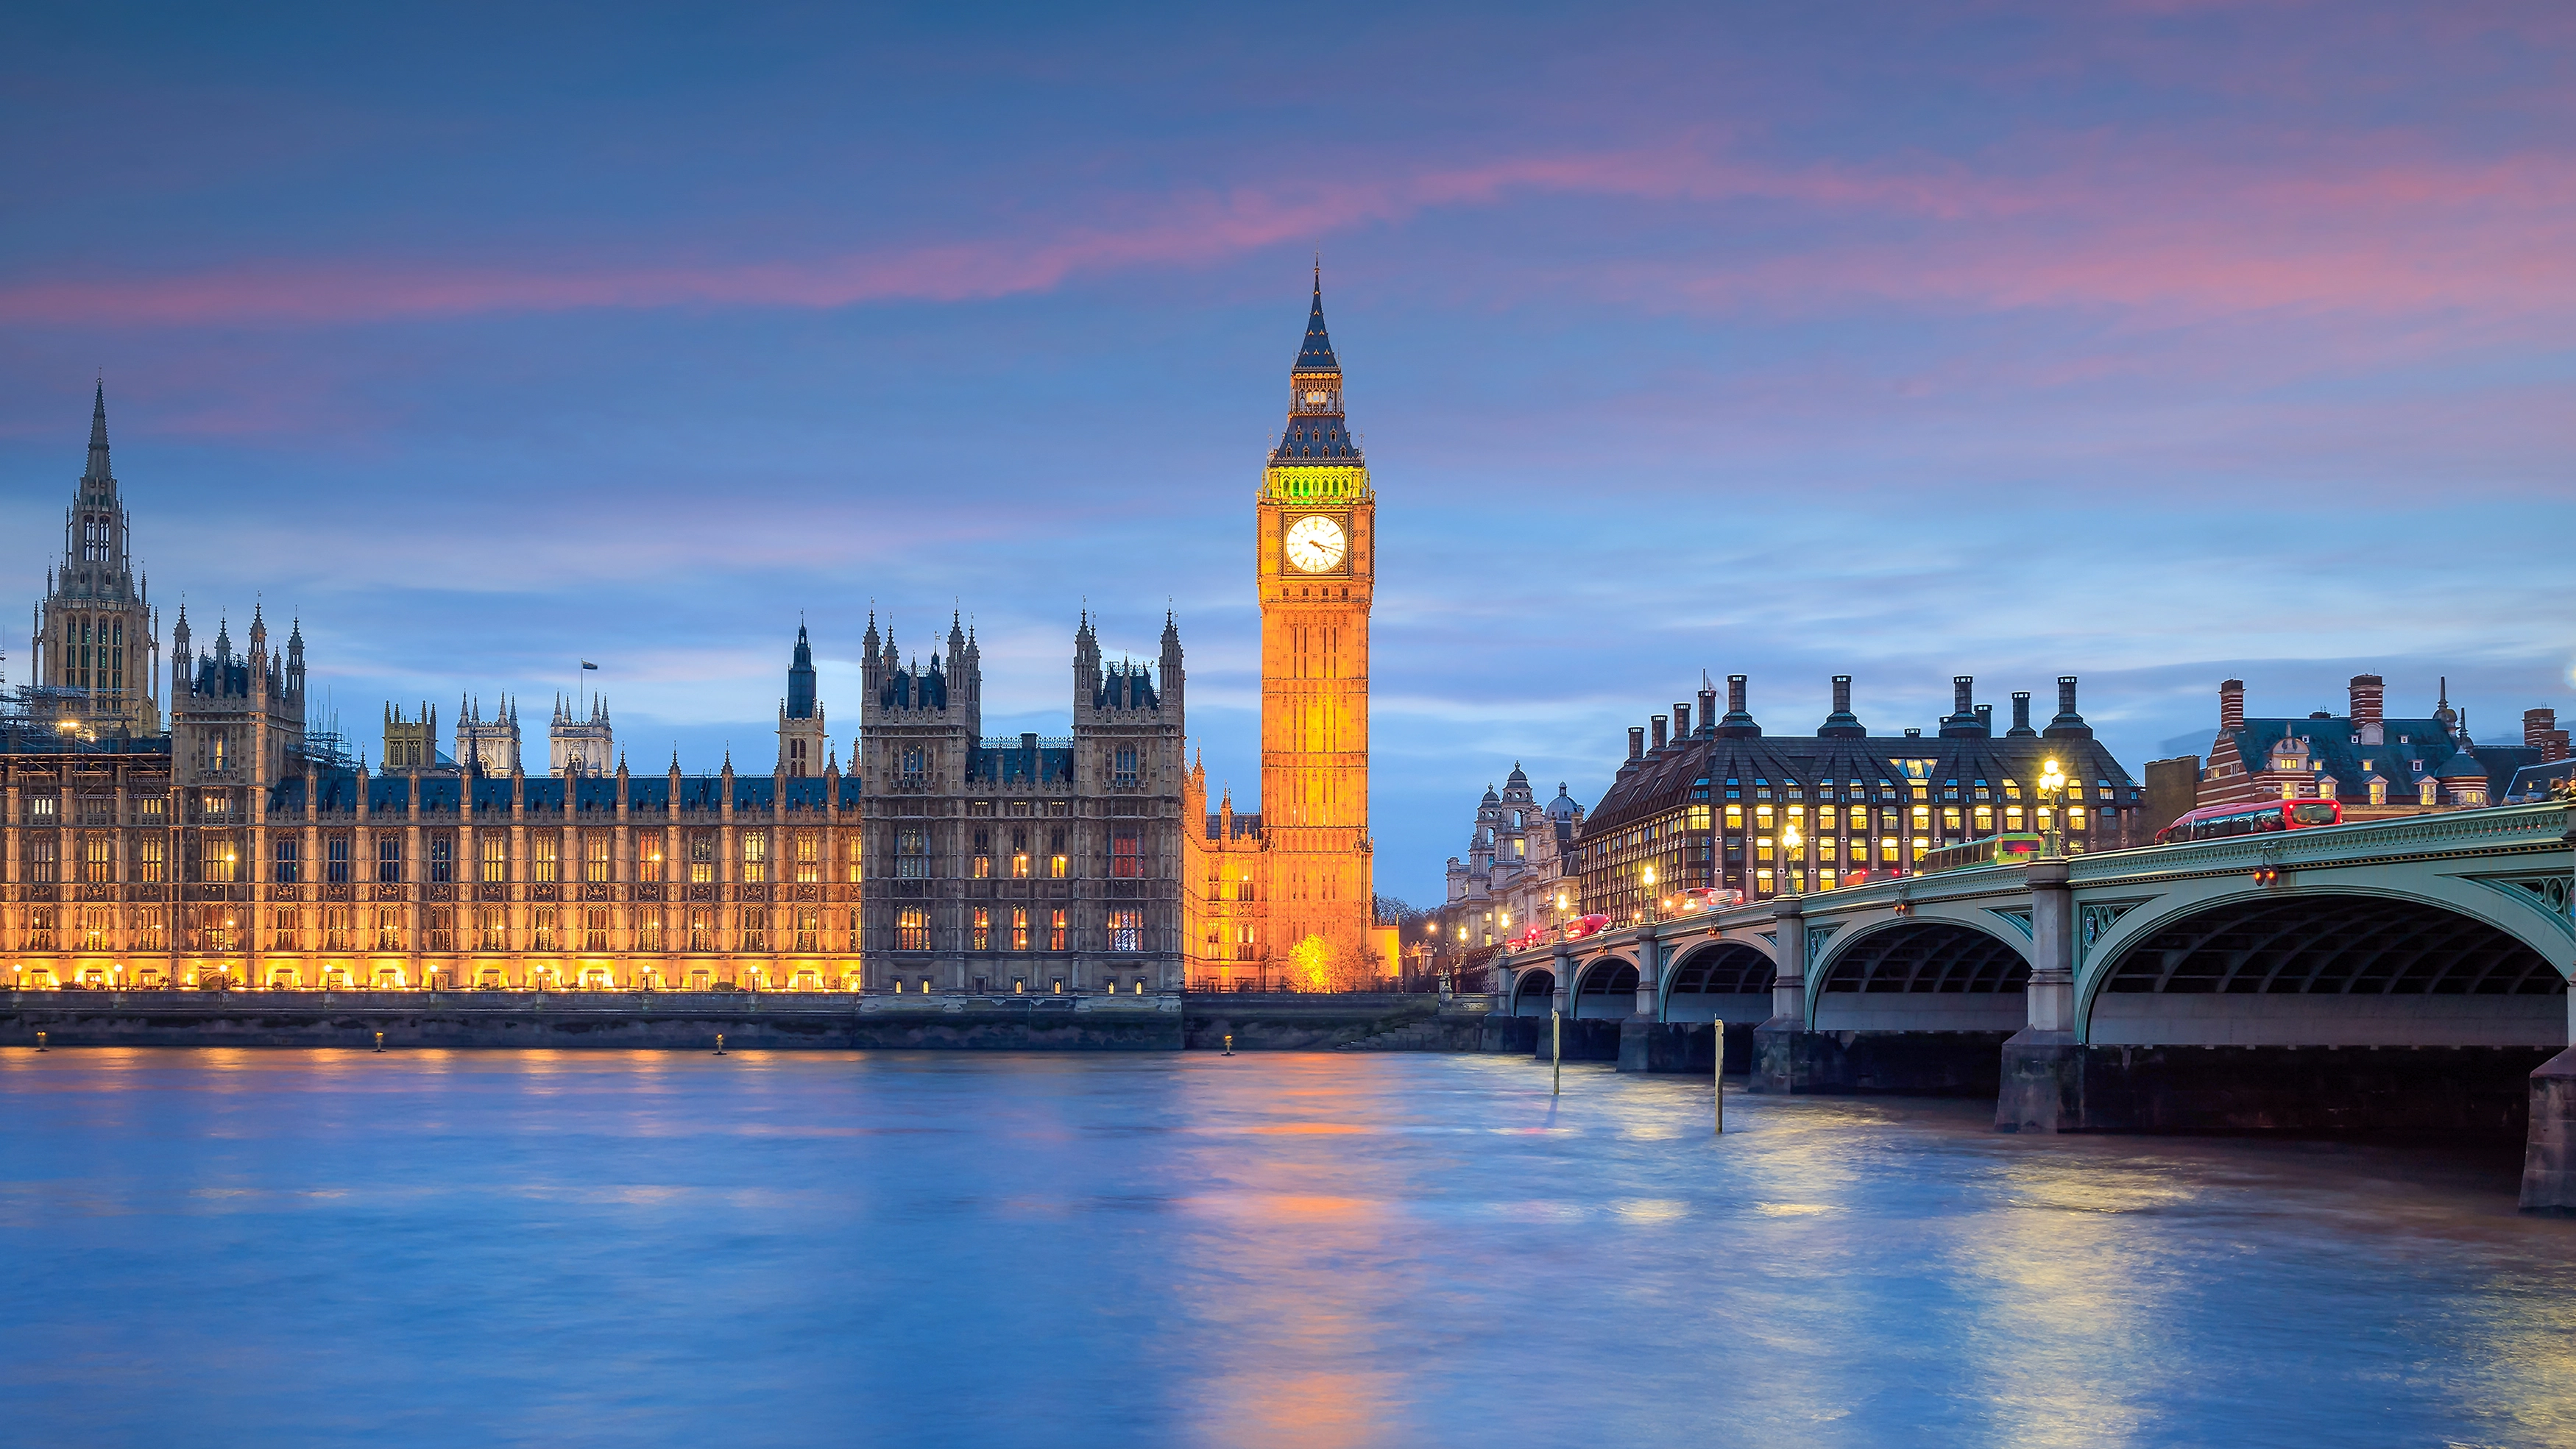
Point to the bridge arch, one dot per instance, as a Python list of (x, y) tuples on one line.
[(1719, 980), (2323, 967), (1605, 988), (1533, 991), (1917, 973)]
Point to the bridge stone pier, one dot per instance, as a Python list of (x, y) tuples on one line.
[(2399, 977)]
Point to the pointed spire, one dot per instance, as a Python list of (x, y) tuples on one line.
[(1317, 354), (97, 471)]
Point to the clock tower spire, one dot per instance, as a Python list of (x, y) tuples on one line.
[(1315, 560)]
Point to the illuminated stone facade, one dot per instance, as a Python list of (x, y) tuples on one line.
[(1287, 895)]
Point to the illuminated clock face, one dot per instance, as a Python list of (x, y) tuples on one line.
[(1315, 544)]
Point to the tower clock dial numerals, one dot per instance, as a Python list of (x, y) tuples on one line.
[(1315, 544)]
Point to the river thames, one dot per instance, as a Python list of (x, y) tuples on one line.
[(230, 1247)]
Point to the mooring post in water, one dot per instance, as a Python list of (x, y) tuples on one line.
[(1556, 1052), (40, 1041), (380, 1041), (1229, 1043), (719, 1043), (1718, 1075)]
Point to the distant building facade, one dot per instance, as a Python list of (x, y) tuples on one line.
[(1022, 864), (2377, 766), (1722, 804), (1519, 863)]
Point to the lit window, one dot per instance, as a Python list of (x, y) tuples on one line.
[(912, 929), (755, 857), (545, 856), (496, 861), (983, 929)]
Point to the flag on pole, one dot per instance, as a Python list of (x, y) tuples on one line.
[(586, 664)]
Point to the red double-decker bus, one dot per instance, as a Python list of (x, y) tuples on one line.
[(2215, 822)]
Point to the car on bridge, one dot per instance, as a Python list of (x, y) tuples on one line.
[(1706, 898)]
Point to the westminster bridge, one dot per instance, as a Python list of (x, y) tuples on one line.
[(2404, 976)]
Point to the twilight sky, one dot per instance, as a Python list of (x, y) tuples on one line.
[(2153, 343)]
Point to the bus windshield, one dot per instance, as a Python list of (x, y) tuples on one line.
[(2317, 814)]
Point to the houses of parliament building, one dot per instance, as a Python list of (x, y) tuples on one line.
[(213, 837)]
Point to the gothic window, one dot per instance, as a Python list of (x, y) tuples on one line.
[(648, 857), (219, 863), (336, 859), (1019, 928), (809, 930), (335, 928), (796, 757), (151, 861), (914, 764), (981, 867), (98, 859), (1125, 860), (983, 929), (648, 932), (96, 922), (1126, 930), (1122, 768), (439, 924), (541, 928), (40, 928), (912, 929), (389, 859), (809, 857), (1055, 931), (594, 928), (496, 863), (1057, 861), (389, 928), (285, 929), (494, 929), (148, 929), (755, 857), (702, 928), (150, 810), (442, 859), (912, 854), (545, 857), (702, 857)]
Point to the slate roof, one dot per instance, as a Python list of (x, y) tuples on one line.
[(2411, 750), (593, 796), (1317, 353)]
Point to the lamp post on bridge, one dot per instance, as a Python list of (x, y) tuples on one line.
[(2052, 787)]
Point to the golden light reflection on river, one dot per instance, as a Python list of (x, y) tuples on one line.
[(569, 1248)]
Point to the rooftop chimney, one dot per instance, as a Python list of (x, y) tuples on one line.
[(2021, 729), (2369, 709), (1738, 723), (2540, 731), (1636, 743), (1658, 722), (1986, 720), (1842, 723), (1681, 721), (1961, 721), (2231, 704), (2068, 725), (1708, 710)]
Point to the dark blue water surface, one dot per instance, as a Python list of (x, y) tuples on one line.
[(235, 1247)]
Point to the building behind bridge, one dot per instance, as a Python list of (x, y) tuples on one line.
[(1717, 803), (2378, 766)]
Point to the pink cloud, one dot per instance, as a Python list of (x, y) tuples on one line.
[(2067, 221)]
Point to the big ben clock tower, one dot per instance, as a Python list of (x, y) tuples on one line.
[(1316, 559)]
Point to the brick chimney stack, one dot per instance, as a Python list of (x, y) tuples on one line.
[(2369, 695), (1658, 722), (1681, 721), (1636, 742), (2231, 704), (2540, 731)]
